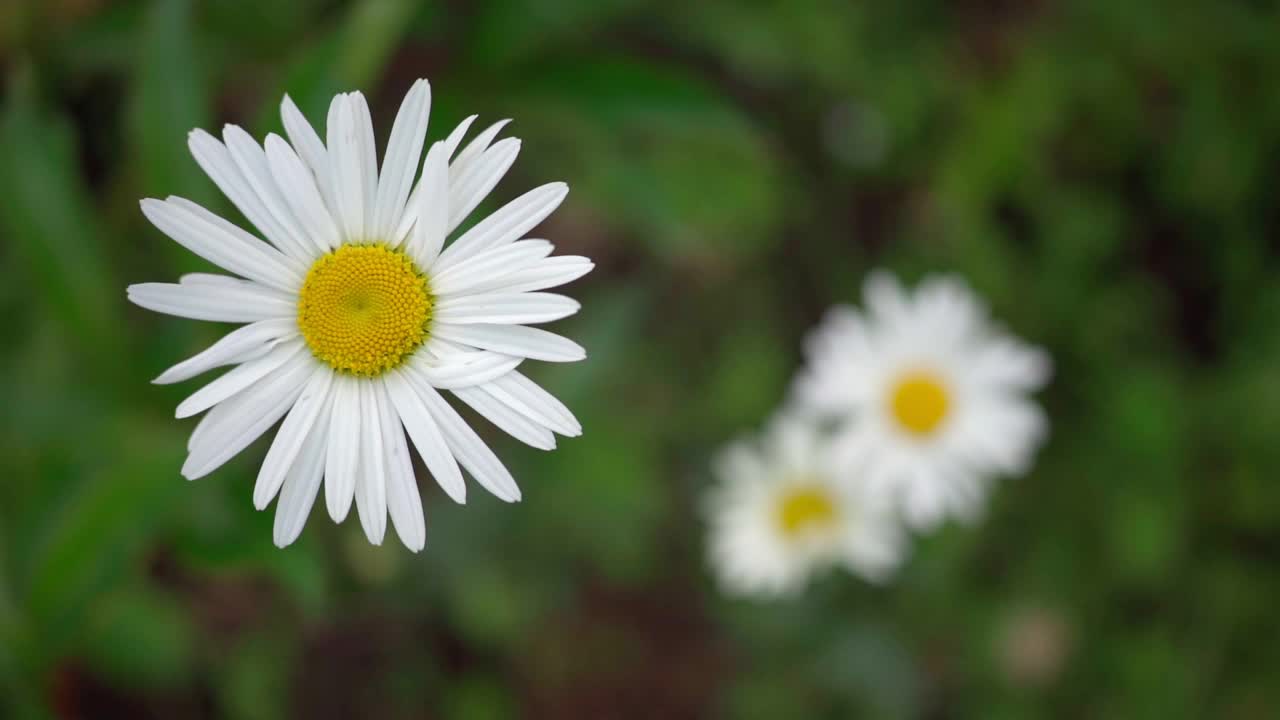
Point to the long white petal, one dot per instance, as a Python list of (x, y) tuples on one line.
[(291, 436), (240, 345), (470, 186), (309, 147), (302, 484), (411, 208), (246, 246), (490, 266), (467, 447), (245, 304), (508, 420), (549, 273), (474, 149), (371, 480), (345, 171), (215, 159), (250, 158), (222, 243), (368, 157), (508, 223), (202, 427), (528, 342), (342, 460), (505, 308), (298, 186), (235, 380), (227, 282), (886, 300), (460, 131), (432, 210), (471, 368), (234, 424), (210, 279), (426, 436), (529, 398), (438, 351), (400, 161), (404, 503)]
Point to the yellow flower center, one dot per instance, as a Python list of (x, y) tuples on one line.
[(804, 508), (364, 308), (920, 402)]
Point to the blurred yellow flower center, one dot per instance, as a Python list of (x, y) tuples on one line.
[(920, 402), (805, 508), (364, 308)]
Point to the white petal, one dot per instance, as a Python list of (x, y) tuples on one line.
[(528, 397), (466, 369), (511, 422), (236, 379), (400, 161), (250, 158), (232, 425), (432, 210), (342, 459), (1005, 363), (248, 303), (438, 351), (403, 501), (371, 480), (550, 272), (508, 223), (411, 207), (291, 436), (309, 147), (467, 447), (201, 429), (222, 243), (885, 298), (470, 185), (452, 142), (298, 186), (489, 267), (216, 160), (368, 160), (345, 168), (226, 282), (474, 149), (210, 279), (504, 308), (302, 484), (426, 436), (518, 340), (239, 345)]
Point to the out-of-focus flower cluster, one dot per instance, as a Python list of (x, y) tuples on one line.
[(904, 414)]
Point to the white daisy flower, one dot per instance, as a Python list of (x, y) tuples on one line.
[(356, 315), (932, 396), (785, 509)]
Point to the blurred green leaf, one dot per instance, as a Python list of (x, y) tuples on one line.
[(255, 683), (141, 637), (48, 216), (369, 35), (171, 98), (506, 31), (350, 56), (101, 526), (662, 151)]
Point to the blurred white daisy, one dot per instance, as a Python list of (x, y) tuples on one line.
[(356, 314), (931, 397), (783, 509)]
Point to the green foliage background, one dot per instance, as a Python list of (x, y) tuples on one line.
[(1103, 172)]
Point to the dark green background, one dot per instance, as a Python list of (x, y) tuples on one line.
[(1103, 172)]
